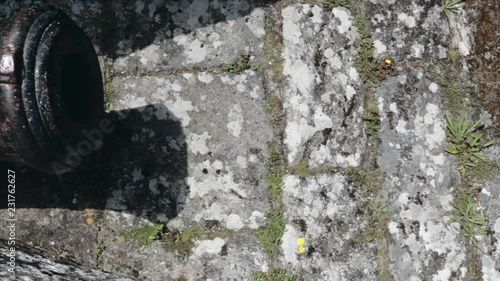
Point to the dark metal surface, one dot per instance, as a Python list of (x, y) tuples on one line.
[(50, 87)]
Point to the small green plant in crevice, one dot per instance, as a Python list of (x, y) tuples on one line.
[(274, 180), (273, 106), (270, 235), (277, 274), (275, 173), (453, 89), (472, 222), (372, 180), (338, 3), (377, 221), (99, 249), (465, 141), (451, 7), (273, 48), (239, 65), (302, 168), (144, 235), (483, 171), (384, 273), (371, 118), (183, 241)]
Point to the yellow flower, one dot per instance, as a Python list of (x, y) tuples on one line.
[(301, 241), (302, 249), (89, 220), (388, 61)]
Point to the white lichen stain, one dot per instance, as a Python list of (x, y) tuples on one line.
[(409, 21), (353, 74), (321, 156), (242, 161), (198, 143), (149, 55), (139, 6), (152, 7), (241, 88), (194, 52), (77, 8), (432, 117), (153, 186), (255, 22), (137, 175), (256, 220), (236, 115), (380, 48), (438, 159), (417, 50), (350, 92), (210, 184), (489, 269), (401, 127), (132, 101), (234, 222), (393, 228), (116, 201), (205, 77), (345, 20), (393, 107), (180, 108), (211, 247), (176, 86), (433, 87), (289, 245)]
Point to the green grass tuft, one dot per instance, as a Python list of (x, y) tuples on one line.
[(303, 168), (183, 241), (275, 173), (99, 249), (239, 65), (451, 7), (371, 118), (465, 141), (144, 235), (270, 235), (277, 274), (338, 3), (472, 223)]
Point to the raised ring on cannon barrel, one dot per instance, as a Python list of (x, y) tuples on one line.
[(51, 88)]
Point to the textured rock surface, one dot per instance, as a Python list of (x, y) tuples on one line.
[(321, 97), (206, 96), (32, 265), (324, 211), (419, 181)]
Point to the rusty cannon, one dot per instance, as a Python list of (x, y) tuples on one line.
[(51, 90)]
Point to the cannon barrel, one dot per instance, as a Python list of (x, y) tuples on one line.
[(51, 88)]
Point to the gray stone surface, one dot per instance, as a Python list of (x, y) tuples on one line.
[(190, 148), (419, 182), (322, 96), (34, 265), (219, 115), (402, 29), (490, 195), (324, 210)]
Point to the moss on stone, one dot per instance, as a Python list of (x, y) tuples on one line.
[(239, 65), (270, 235), (276, 274), (183, 241), (144, 235)]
